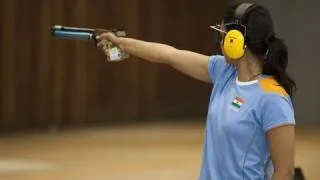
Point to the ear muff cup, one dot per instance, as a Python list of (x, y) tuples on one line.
[(234, 44)]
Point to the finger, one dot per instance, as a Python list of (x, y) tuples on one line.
[(101, 35), (100, 44), (107, 35), (97, 32), (105, 50)]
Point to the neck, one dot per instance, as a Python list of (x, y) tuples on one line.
[(249, 68)]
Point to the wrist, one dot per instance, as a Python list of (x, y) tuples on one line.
[(121, 43)]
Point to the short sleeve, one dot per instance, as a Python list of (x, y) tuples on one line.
[(216, 67), (276, 111)]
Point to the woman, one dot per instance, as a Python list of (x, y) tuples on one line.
[(250, 123)]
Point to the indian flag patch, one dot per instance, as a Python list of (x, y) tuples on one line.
[(237, 102)]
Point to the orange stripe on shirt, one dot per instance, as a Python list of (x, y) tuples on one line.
[(270, 85)]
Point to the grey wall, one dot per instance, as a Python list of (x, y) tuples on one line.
[(297, 22)]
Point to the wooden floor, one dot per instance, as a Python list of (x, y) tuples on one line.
[(157, 152)]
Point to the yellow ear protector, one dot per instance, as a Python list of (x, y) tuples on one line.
[(234, 41), (234, 44)]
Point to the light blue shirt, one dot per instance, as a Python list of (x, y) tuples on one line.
[(239, 116)]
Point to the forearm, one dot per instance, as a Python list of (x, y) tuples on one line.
[(153, 52)]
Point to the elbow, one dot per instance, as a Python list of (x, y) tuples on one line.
[(168, 56)]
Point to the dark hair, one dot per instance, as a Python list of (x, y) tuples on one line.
[(261, 40)]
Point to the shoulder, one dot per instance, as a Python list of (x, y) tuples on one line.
[(269, 86), (217, 60), (218, 68), (217, 57), (275, 107), (273, 95), (275, 111)]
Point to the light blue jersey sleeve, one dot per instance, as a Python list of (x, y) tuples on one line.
[(217, 67), (275, 111)]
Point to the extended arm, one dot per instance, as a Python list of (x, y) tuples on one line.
[(190, 63)]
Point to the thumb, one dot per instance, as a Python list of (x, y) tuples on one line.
[(108, 36)]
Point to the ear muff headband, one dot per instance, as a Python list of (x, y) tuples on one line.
[(241, 10), (234, 41)]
